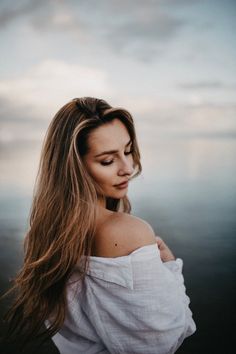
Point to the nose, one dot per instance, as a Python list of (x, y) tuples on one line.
[(126, 166)]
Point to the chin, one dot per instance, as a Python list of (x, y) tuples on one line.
[(120, 194), (117, 195)]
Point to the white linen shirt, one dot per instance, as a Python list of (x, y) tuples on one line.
[(130, 304)]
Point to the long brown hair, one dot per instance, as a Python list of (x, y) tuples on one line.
[(63, 214)]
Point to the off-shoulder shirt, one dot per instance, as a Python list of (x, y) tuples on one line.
[(130, 304)]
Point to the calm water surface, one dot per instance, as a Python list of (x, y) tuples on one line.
[(187, 192)]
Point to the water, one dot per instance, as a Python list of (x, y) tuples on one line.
[(187, 193), (191, 203)]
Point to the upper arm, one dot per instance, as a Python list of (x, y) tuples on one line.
[(123, 234)]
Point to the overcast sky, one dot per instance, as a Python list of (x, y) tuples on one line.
[(170, 62)]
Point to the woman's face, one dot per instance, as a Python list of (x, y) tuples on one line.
[(109, 159)]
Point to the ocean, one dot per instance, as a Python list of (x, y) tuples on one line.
[(187, 192)]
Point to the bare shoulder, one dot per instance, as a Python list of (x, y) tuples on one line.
[(121, 234)]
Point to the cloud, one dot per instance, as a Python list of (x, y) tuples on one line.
[(132, 27), (145, 35), (28, 102), (11, 10), (52, 82), (205, 120), (206, 85)]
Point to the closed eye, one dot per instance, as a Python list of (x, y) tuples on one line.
[(128, 152), (106, 163)]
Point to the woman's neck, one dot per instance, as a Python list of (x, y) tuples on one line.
[(101, 203)]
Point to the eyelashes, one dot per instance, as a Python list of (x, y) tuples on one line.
[(106, 163)]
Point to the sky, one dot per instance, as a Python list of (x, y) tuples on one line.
[(171, 63)]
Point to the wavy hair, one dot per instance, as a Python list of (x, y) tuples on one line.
[(62, 217)]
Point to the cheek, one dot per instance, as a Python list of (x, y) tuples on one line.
[(102, 175)]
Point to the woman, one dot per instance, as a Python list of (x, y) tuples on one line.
[(98, 277)]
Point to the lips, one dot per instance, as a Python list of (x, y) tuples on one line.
[(122, 184)]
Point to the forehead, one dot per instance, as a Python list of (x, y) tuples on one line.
[(111, 135)]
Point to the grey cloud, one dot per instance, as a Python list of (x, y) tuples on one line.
[(134, 28), (159, 26), (19, 126), (11, 10), (13, 113), (206, 85), (206, 120), (144, 38)]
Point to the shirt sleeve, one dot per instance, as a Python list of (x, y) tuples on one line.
[(149, 313)]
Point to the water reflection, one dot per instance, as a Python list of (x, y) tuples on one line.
[(187, 193)]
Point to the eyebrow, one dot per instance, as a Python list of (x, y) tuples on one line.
[(111, 151)]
